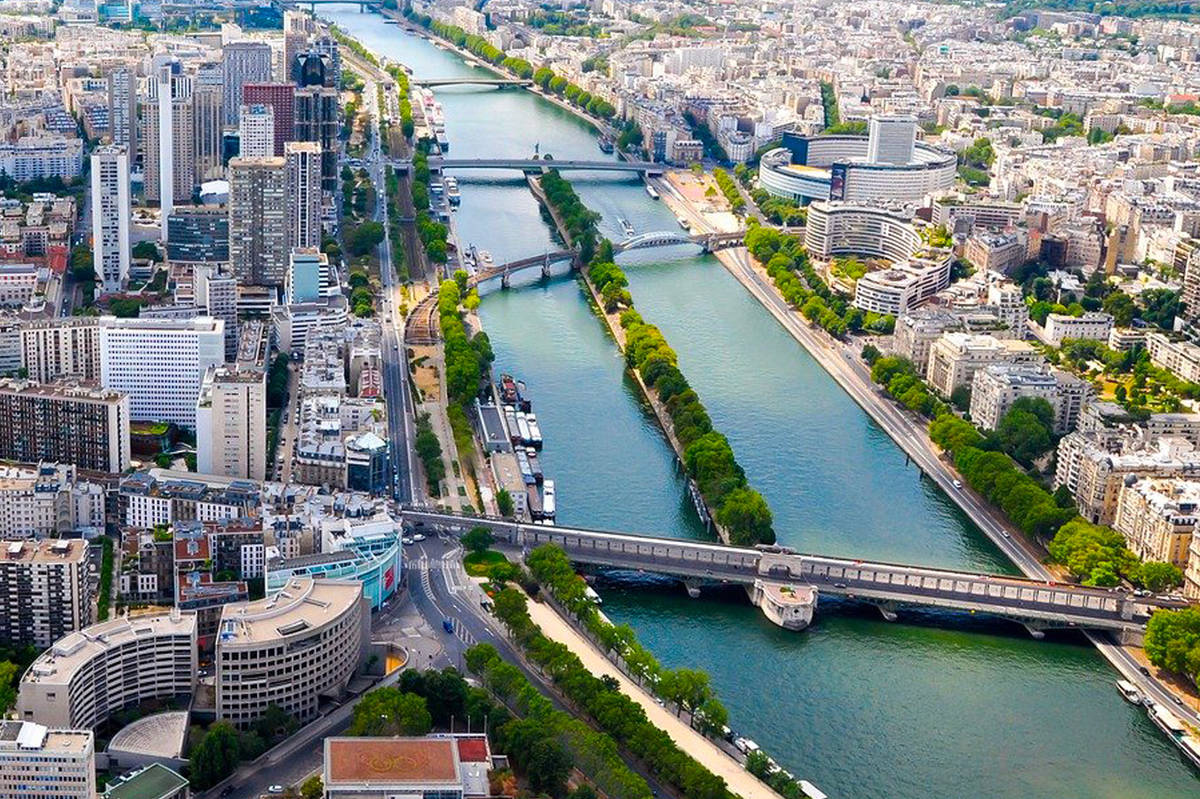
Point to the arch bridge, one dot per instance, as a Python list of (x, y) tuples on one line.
[(501, 82)]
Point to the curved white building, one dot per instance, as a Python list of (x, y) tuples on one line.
[(917, 273), (852, 168), (299, 644), (90, 674)]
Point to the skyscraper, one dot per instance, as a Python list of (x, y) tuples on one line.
[(317, 120), (304, 193), (258, 220), (170, 165), (122, 109), (891, 138), (256, 131), (208, 115), (244, 62), (110, 215), (281, 97)]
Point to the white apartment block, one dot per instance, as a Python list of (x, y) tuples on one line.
[(111, 216), (160, 363), (298, 644), (996, 387), (37, 762), (18, 284), (304, 193), (1094, 325), (956, 357), (47, 500), (34, 157), (231, 422), (66, 347), (1095, 474), (92, 673), (44, 591), (1180, 358), (1157, 518)]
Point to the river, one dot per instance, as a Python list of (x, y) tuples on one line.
[(936, 706)]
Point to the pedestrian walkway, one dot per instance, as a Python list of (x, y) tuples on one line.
[(705, 751)]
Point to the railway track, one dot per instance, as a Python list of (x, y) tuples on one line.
[(421, 328)]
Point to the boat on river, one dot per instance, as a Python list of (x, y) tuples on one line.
[(1129, 691), (1176, 731), (653, 192), (626, 227)]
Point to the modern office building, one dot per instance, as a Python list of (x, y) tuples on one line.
[(122, 109), (111, 214), (170, 152), (43, 590), (77, 424), (243, 62), (367, 551), (37, 762), (216, 295), (258, 220), (839, 167), (433, 767), (198, 234), (890, 139), (281, 99), (160, 363), (90, 674), (256, 131), (231, 423), (304, 193), (305, 269), (298, 645)]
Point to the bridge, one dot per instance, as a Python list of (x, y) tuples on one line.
[(1037, 605), (501, 82), (545, 164)]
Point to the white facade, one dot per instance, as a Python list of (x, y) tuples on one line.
[(256, 131), (110, 216), (160, 363), (41, 763), (955, 358), (890, 139), (231, 423), (1094, 325), (304, 193), (46, 501), (44, 592)]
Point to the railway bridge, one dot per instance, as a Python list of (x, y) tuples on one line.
[(1037, 605)]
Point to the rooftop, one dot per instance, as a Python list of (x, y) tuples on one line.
[(152, 782), (58, 664), (391, 761), (157, 735), (301, 606), (58, 550)]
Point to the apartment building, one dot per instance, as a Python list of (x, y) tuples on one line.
[(231, 422), (67, 422), (1094, 325), (47, 500), (37, 762), (147, 502), (43, 590), (299, 644), (956, 357), (110, 216), (996, 387), (258, 220), (1095, 470), (90, 674), (1181, 358), (56, 348), (1157, 517), (160, 363)]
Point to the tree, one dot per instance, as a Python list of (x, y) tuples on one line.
[(548, 766), (312, 788), (1161, 306), (1122, 308), (216, 756), (390, 711), (504, 503), (1173, 641), (746, 514), (1026, 431), (148, 250), (1157, 577), (961, 397), (8, 689), (478, 539)]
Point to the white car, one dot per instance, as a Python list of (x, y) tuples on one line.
[(418, 538), (275, 789)]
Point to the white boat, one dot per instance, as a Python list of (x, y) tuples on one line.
[(683, 223), (1129, 691), (535, 432), (523, 428), (626, 227), (652, 192), (591, 594), (548, 502)]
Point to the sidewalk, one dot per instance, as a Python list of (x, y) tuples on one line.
[(705, 751)]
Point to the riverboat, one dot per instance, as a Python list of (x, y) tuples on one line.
[(626, 227), (605, 144), (452, 193), (653, 192), (1129, 691)]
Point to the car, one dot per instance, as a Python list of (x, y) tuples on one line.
[(275, 788), (407, 541), (1144, 670), (448, 625), (839, 585), (1005, 534), (418, 538), (958, 485)]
